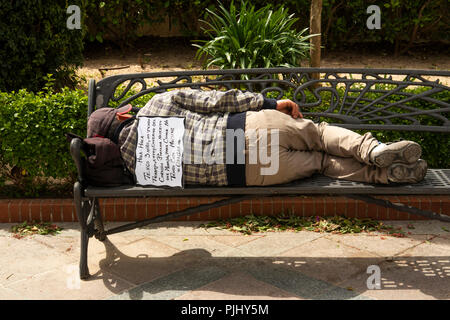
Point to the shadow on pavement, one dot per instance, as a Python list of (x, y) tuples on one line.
[(169, 277)]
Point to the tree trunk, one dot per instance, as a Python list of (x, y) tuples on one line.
[(315, 28)]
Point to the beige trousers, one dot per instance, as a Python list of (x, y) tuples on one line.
[(305, 148)]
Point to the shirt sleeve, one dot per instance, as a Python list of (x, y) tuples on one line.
[(215, 101)]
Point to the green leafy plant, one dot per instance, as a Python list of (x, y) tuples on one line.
[(251, 38), (334, 224), (30, 228), (404, 24), (120, 21), (32, 141), (35, 41)]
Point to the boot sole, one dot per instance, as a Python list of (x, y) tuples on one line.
[(409, 153), (407, 173)]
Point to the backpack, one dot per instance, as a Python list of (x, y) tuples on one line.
[(103, 165)]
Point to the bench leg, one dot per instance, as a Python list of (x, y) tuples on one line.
[(84, 270), (98, 223), (82, 211)]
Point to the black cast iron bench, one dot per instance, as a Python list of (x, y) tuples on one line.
[(357, 99)]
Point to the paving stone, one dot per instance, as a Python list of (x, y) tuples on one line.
[(173, 285), (430, 259), (338, 293), (69, 229), (174, 228), (276, 243), (381, 245), (119, 240), (440, 241), (421, 272), (295, 282), (9, 294), (234, 240), (298, 264), (399, 281), (431, 227), (5, 229), (64, 283), (22, 258), (189, 242), (328, 260), (140, 261), (238, 286)]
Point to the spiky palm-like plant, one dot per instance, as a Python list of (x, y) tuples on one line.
[(251, 38)]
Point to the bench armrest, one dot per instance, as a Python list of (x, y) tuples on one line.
[(75, 151)]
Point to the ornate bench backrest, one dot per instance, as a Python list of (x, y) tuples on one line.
[(373, 99)]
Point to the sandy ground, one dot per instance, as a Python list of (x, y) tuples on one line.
[(175, 56)]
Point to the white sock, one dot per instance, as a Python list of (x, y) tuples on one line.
[(380, 146)]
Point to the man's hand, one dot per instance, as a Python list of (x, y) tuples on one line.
[(289, 107)]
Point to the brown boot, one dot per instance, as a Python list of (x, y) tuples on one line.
[(404, 151), (407, 173)]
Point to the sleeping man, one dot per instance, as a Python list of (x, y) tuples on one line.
[(236, 138)]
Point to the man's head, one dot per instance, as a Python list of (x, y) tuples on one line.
[(104, 121)]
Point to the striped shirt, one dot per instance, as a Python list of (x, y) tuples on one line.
[(206, 114)]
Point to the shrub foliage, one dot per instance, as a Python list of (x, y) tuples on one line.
[(251, 38), (32, 128), (35, 41), (403, 23)]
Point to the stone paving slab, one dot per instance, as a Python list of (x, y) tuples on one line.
[(63, 283), (9, 294), (275, 243), (139, 262), (23, 258), (230, 288), (328, 260), (423, 227), (298, 283), (421, 272), (175, 284), (234, 240), (381, 245), (191, 242), (173, 228), (178, 260)]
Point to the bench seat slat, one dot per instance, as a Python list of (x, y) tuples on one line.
[(437, 181)]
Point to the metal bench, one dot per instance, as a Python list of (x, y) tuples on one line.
[(357, 99)]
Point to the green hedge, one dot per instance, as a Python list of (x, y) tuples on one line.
[(35, 41), (32, 141), (403, 23)]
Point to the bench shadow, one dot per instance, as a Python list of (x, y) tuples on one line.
[(172, 276)]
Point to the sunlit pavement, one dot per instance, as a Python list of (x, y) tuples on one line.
[(178, 260)]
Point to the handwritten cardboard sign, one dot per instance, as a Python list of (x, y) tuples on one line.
[(159, 151)]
